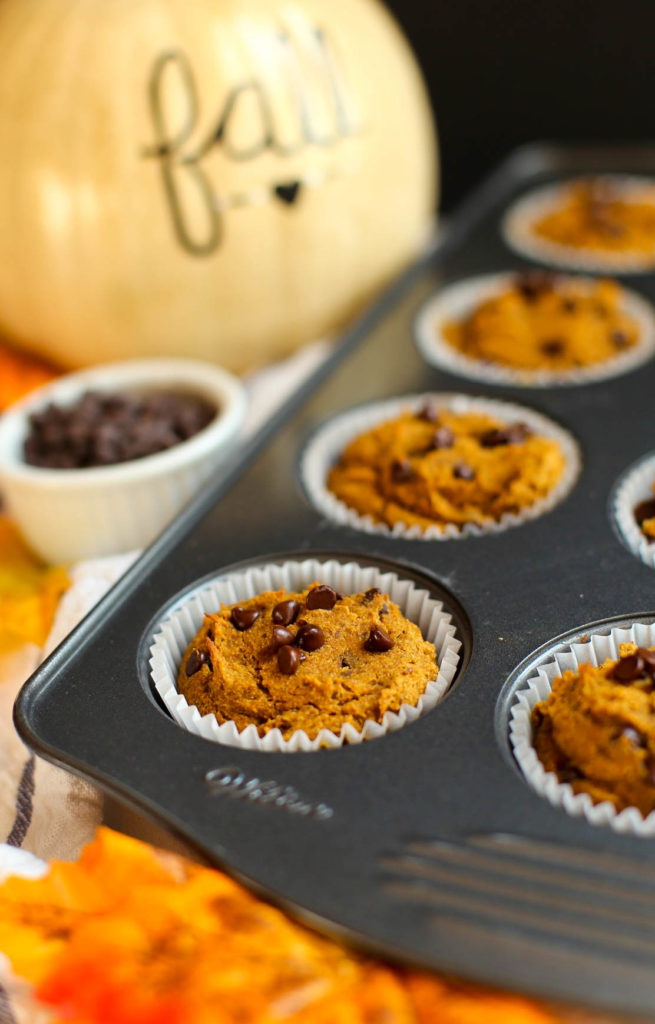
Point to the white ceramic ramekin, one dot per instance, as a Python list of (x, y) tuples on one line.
[(69, 514)]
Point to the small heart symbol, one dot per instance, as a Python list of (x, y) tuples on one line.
[(288, 193)]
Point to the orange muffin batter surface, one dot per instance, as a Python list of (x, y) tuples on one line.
[(595, 215), (436, 467), (546, 322), (596, 730), (312, 660)]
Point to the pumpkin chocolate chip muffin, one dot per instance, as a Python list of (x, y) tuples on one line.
[(644, 513), (306, 661), (596, 730), (597, 214), (435, 467), (543, 321)]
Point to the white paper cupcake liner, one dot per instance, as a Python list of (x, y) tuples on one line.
[(459, 300), (635, 486), (326, 446), (595, 650), (518, 229), (179, 628)]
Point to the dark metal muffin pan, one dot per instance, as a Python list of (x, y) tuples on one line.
[(426, 845)]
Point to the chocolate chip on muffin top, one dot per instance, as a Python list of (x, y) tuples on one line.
[(307, 661)]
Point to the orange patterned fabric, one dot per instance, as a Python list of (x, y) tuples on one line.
[(130, 936)]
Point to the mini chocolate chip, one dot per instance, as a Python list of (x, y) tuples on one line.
[(598, 190), (322, 597), (344, 662), (378, 641), (401, 470), (196, 660), (518, 432), (371, 594), (514, 433), (648, 658), (243, 618), (443, 437), (428, 412), (568, 774), (644, 510), (384, 610), (493, 438), (310, 638), (288, 660), (285, 613), (628, 669), (601, 217), (569, 305), (463, 472), (281, 638), (619, 339), (552, 347), (533, 283)]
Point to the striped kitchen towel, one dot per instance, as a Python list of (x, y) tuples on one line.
[(43, 809)]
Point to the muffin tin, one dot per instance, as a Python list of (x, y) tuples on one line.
[(425, 845)]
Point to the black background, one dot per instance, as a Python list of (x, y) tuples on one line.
[(506, 72)]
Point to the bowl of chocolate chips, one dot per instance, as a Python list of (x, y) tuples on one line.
[(99, 462)]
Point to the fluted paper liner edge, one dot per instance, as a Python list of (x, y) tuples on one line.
[(635, 486), (329, 441), (458, 301), (518, 229), (175, 633), (538, 685)]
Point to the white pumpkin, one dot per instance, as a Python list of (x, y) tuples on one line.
[(219, 179)]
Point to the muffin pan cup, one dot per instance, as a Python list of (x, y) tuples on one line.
[(635, 486), (180, 626), (595, 649), (459, 300), (526, 211), (426, 845)]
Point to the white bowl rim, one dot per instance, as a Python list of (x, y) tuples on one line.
[(206, 379)]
